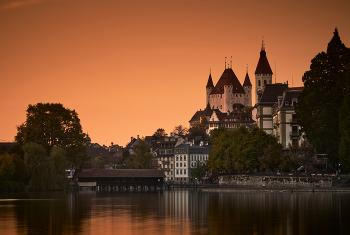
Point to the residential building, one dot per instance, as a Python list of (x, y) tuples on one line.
[(186, 156), (163, 151), (285, 126)]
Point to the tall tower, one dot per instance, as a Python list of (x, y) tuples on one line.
[(247, 86), (263, 73), (209, 89)]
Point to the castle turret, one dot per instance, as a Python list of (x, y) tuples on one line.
[(263, 73), (247, 86), (209, 89)]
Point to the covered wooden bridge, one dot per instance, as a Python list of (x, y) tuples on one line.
[(113, 179)]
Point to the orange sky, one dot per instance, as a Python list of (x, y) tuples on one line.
[(130, 67)]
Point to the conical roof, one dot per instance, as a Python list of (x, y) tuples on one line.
[(210, 82), (263, 66), (228, 77), (247, 81)]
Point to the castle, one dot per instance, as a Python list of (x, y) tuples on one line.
[(225, 100), (229, 91)]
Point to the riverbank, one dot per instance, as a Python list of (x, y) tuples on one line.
[(289, 190)]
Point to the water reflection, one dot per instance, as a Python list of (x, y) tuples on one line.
[(174, 212)]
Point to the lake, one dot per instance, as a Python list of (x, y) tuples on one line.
[(174, 212)]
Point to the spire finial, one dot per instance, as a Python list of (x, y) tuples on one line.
[(247, 68), (262, 44), (231, 61), (225, 62)]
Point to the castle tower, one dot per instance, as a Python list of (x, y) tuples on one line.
[(263, 74), (247, 86), (209, 88)]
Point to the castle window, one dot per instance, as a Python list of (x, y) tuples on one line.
[(259, 83), (265, 82)]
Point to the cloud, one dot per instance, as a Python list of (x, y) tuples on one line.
[(21, 3)]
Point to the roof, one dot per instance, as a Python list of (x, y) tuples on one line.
[(263, 66), (272, 91), (210, 82), (112, 173), (289, 96), (228, 77), (197, 116), (247, 81), (192, 148)]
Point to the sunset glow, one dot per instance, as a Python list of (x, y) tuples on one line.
[(131, 67)]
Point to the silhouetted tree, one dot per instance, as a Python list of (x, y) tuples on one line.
[(180, 130), (323, 94), (52, 125)]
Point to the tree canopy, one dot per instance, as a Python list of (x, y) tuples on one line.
[(322, 97), (160, 132), (180, 130), (141, 158), (198, 129), (240, 150), (52, 125)]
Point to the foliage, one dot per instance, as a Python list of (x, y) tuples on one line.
[(53, 125), (40, 169), (160, 132), (344, 126), (323, 94), (141, 158), (302, 155), (180, 130), (60, 165), (99, 162), (272, 157), (240, 150), (121, 163), (7, 167), (247, 109), (20, 174), (198, 129), (198, 170), (46, 173)]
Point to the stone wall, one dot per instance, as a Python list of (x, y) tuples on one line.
[(274, 181)]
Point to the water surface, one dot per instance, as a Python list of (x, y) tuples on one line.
[(174, 212)]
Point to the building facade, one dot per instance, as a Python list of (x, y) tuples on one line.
[(186, 156)]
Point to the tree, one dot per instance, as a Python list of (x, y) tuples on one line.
[(198, 129), (248, 109), (52, 125), (302, 155), (180, 130), (20, 174), (99, 162), (141, 158), (40, 169), (344, 126), (318, 104), (160, 132), (198, 170), (7, 167), (240, 150), (60, 165), (272, 157)]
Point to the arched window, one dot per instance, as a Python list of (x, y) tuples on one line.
[(265, 82), (259, 84)]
